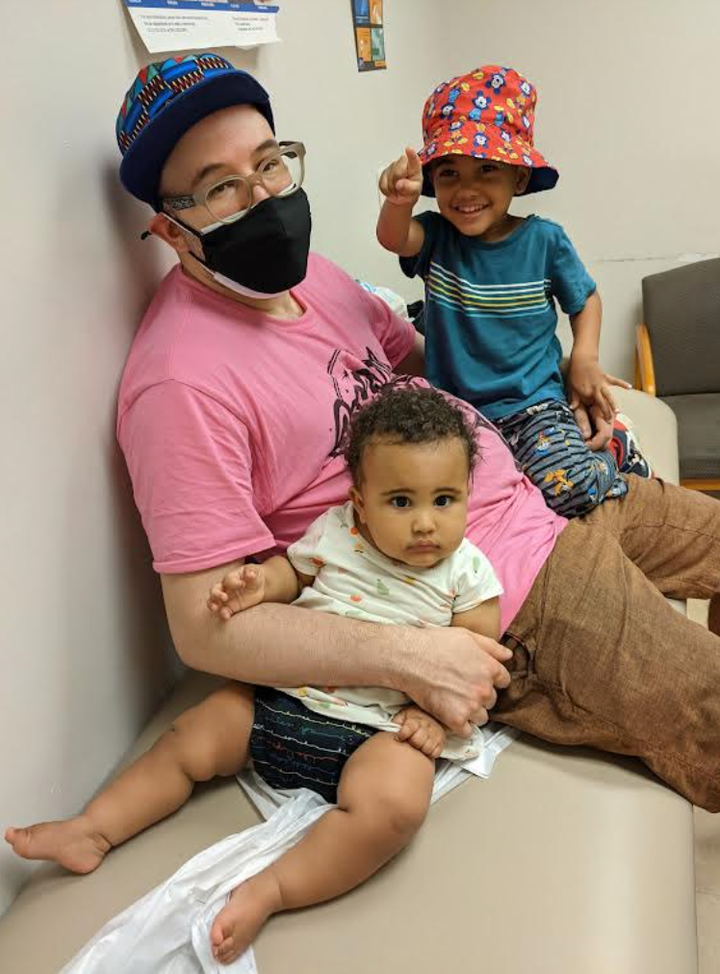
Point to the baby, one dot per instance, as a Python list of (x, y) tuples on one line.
[(395, 553), (491, 282)]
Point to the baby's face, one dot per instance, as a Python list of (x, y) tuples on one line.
[(475, 194), (413, 499)]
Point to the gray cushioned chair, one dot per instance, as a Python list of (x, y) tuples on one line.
[(678, 359)]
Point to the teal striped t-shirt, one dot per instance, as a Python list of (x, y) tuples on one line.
[(490, 318)]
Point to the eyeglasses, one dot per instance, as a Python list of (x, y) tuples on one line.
[(280, 174)]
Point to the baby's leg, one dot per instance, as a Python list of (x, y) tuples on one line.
[(383, 798), (208, 740)]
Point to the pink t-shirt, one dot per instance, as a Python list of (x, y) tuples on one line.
[(231, 421)]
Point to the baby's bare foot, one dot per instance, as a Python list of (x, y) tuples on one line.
[(73, 844), (241, 919)]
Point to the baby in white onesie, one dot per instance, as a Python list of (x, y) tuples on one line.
[(395, 554), (352, 577)]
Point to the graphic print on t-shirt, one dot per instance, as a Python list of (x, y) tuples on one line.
[(354, 388)]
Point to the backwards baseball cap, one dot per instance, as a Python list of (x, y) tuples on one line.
[(165, 100), (488, 113)]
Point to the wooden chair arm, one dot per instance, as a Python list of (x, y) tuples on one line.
[(644, 367)]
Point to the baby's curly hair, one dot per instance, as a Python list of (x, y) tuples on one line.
[(407, 415)]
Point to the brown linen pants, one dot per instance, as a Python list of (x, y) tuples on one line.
[(601, 659)]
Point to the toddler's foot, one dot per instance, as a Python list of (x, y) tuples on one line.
[(241, 919), (73, 844), (626, 449)]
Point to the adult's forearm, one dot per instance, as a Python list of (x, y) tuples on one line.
[(449, 672), (284, 645)]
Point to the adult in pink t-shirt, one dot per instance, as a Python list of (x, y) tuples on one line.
[(233, 440), (239, 386)]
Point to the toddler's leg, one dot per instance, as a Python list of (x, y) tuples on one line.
[(549, 447), (383, 798), (208, 740)]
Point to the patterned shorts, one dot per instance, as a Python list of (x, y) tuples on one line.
[(292, 747), (552, 453)]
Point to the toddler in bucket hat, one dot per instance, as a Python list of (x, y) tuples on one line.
[(486, 114), (492, 283)]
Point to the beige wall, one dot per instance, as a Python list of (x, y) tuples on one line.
[(627, 112), (84, 654)]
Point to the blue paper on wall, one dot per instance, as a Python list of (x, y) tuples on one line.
[(369, 34)]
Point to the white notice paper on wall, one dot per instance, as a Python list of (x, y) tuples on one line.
[(181, 25)]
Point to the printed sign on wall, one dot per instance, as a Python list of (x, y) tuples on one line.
[(181, 25)]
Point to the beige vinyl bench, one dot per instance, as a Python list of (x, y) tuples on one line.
[(565, 861)]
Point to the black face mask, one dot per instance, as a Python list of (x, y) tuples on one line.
[(265, 252)]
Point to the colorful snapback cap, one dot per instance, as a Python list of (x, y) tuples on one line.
[(164, 101)]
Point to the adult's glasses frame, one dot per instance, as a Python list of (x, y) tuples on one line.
[(258, 178)]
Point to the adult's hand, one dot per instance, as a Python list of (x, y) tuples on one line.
[(455, 675)]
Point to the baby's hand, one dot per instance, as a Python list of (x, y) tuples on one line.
[(239, 590), (421, 731), (401, 183)]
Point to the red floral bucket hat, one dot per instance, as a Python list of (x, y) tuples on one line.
[(487, 114)]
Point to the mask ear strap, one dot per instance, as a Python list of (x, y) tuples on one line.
[(178, 223), (183, 226)]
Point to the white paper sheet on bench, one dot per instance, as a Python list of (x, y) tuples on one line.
[(168, 930)]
